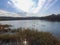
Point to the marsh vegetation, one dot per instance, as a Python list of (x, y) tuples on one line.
[(32, 36)]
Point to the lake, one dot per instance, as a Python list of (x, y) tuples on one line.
[(41, 25)]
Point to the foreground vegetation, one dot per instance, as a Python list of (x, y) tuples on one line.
[(32, 36)]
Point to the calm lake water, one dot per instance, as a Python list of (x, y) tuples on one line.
[(47, 26)]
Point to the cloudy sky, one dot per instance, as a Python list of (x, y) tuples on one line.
[(31, 7)]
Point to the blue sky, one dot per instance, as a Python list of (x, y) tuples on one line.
[(37, 7), (54, 8)]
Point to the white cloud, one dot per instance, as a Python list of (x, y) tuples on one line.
[(23, 4), (6, 13), (9, 3), (28, 5), (49, 3), (39, 6)]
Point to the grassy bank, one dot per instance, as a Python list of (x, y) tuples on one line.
[(33, 37)]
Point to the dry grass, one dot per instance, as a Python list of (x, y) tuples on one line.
[(34, 37)]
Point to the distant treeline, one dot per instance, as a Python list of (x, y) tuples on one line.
[(19, 18), (52, 17)]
